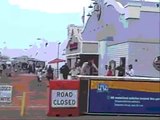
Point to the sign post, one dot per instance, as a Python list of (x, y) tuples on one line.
[(5, 93)]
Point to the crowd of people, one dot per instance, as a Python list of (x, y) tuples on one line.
[(8, 69), (87, 68), (121, 71)]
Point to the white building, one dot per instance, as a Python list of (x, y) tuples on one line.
[(128, 32), (79, 49)]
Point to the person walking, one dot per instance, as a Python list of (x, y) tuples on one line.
[(65, 71), (49, 73), (30, 68), (39, 74)]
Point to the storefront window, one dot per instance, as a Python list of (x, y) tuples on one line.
[(156, 63)]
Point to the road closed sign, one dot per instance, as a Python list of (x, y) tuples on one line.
[(64, 98)]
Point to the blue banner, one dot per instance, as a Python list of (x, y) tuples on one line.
[(125, 97)]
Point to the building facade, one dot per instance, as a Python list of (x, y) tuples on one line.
[(78, 49), (128, 32)]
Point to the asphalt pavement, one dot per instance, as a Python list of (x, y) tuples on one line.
[(41, 115), (38, 103)]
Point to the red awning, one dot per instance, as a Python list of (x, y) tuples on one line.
[(57, 60)]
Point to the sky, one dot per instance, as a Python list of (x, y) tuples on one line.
[(23, 21)]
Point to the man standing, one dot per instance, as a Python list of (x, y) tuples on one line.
[(130, 71), (65, 71), (121, 70), (88, 68)]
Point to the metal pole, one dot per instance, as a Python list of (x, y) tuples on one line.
[(58, 58), (23, 104)]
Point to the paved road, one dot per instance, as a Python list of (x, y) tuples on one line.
[(39, 97), (41, 115)]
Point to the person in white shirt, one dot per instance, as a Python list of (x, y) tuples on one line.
[(74, 72), (130, 71), (39, 75), (88, 67)]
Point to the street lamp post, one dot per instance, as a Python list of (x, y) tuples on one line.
[(46, 43), (58, 58)]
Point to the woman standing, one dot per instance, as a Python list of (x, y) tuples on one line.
[(109, 71)]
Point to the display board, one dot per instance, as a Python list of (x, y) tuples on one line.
[(5, 93), (122, 96)]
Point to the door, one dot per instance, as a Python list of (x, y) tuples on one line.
[(123, 61)]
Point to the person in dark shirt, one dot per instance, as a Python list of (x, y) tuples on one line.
[(30, 68), (49, 73), (1, 70), (121, 70), (65, 71)]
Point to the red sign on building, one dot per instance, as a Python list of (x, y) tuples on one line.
[(73, 46)]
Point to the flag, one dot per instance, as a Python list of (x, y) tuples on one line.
[(83, 16)]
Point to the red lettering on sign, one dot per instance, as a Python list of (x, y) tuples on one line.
[(73, 46)]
